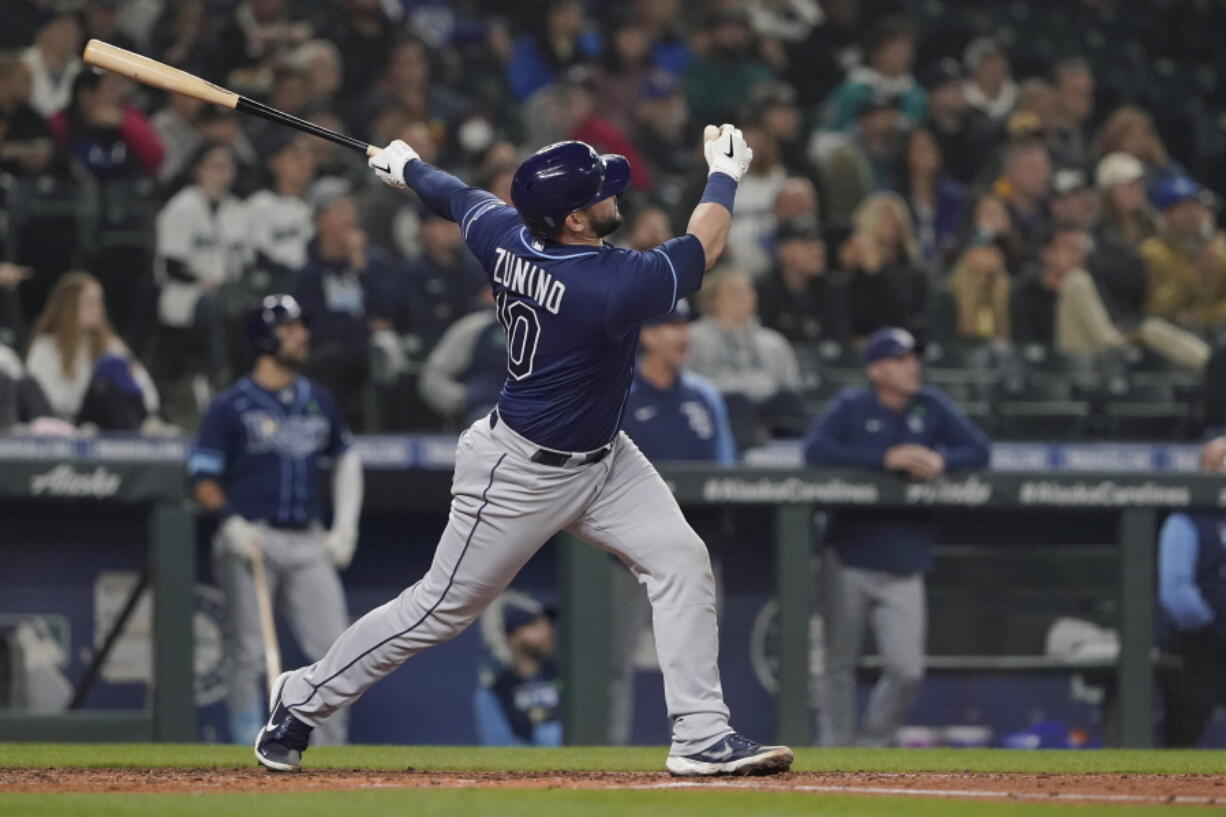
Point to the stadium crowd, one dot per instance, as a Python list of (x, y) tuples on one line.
[(1016, 184)]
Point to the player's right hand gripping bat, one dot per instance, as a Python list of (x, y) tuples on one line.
[(160, 75)]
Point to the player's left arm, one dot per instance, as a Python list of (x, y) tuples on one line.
[(961, 444), (728, 158), (348, 485)]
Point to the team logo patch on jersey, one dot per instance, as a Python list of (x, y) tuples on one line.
[(291, 437)]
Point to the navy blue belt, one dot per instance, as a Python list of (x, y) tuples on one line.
[(290, 526), (557, 459)]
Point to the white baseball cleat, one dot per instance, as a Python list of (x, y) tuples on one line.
[(732, 754)]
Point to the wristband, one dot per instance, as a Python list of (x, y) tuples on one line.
[(721, 189)]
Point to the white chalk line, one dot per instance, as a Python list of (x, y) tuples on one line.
[(903, 792)]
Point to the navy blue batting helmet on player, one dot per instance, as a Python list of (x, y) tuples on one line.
[(273, 311), (564, 177)]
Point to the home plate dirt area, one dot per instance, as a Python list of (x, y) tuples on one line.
[(1191, 789)]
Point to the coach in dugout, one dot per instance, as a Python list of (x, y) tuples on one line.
[(1192, 594), (873, 568)]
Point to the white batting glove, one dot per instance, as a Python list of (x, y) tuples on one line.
[(726, 151), (244, 539), (341, 542), (389, 163)]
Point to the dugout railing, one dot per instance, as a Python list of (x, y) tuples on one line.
[(1134, 501)]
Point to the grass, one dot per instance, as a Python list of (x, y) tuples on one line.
[(563, 803), (615, 759)]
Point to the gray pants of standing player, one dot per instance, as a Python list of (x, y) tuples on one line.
[(852, 599), (504, 507), (305, 588)]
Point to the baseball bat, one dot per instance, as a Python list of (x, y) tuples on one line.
[(268, 629), (160, 75)]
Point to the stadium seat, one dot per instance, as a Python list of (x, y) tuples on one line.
[(1030, 408)]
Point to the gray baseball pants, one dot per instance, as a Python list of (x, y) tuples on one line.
[(304, 586), (503, 508), (852, 599)]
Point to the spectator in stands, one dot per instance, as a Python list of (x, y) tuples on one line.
[(365, 36), (1131, 130), (446, 280), (772, 107), (1034, 297), (818, 63), (1034, 114), (718, 81), (1024, 187), (22, 400), (291, 93), (518, 703), (588, 123), (1129, 219), (1192, 594), (1115, 267), (888, 284), (407, 84), (886, 74), (874, 563), (202, 246), (179, 36), (990, 90), (54, 62), (1186, 261), (663, 21), (753, 367), (661, 127), (466, 368), (179, 128), (991, 224), (962, 149), (100, 21), (979, 291), (1069, 138), (247, 47), (278, 218), (647, 226), (867, 158), (26, 143), (560, 42), (104, 132), (801, 299), (627, 64), (935, 200), (72, 347), (349, 291), (12, 317), (320, 60), (1064, 301)]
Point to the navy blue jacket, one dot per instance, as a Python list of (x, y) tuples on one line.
[(856, 431)]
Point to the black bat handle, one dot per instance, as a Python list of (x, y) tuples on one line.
[(261, 110)]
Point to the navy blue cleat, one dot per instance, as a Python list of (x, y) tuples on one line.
[(732, 754), (281, 742)]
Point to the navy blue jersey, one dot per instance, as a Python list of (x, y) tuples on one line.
[(685, 422), (264, 448), (571, 313)]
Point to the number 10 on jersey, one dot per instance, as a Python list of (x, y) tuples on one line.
[(519, 320)]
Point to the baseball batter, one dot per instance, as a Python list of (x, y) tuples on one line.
[(255, 464), (551, 456)]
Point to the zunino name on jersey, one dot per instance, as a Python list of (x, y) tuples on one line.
[(520, 275)]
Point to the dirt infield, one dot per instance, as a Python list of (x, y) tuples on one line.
[(1102, 788)]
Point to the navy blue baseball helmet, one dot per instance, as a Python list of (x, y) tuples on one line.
[(274, 311), (564, 177)]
